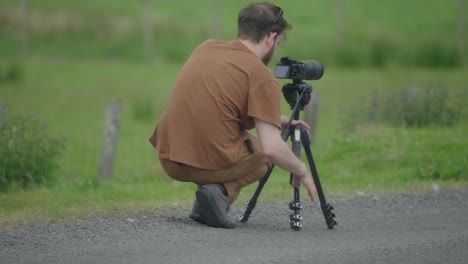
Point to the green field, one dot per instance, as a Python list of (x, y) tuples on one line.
[(72, 98), (68, 80), (414, 33)]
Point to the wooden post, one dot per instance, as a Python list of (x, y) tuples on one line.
[(147, 29), (461, 31), (311, 114), (111, 133), (24, 28)]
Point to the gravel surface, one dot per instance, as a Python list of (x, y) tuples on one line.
[(407, 228)]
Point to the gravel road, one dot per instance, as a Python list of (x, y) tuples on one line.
[(406, 228)]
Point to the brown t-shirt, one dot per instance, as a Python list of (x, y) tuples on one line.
[(217, 92)]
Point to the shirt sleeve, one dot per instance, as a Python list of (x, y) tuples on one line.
[(264, 102)]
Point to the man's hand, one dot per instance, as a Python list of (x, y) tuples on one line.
[(307, 181), (294, 123), (301, 123)]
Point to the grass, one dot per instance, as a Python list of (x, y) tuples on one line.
[(72, 99), (83, 53), (375, 33)]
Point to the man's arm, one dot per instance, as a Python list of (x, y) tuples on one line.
[(278, 152)]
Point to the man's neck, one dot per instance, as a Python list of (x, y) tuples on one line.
[(254, 47)]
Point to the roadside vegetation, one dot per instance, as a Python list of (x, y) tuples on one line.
[(392, 114)]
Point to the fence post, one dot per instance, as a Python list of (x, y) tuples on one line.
[(111, 133), (311, 114)]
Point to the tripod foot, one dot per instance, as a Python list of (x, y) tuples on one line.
[(329, 215)]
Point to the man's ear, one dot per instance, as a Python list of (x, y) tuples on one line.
[(271, 38)]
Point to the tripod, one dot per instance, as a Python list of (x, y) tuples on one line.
[(297, 95)]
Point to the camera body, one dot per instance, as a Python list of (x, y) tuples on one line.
[(289, 68)]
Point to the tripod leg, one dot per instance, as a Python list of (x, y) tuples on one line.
[(250, 205), (296, 205), (326, 208)]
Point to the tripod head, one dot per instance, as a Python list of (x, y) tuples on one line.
[(297, 94)]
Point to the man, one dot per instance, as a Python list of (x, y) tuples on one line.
[(224, 89)]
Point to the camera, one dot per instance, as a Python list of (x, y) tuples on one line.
[(289, 68), (297, 93)]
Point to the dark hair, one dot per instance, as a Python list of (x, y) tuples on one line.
[(256, 20)]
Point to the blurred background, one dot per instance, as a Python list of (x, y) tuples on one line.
[(389, 114), (346, 33)]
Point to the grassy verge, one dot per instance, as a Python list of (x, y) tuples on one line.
[(72, 99)]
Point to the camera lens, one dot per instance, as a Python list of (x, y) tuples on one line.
[(313, 70)]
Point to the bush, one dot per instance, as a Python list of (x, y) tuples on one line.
[(11, 73), (408, 107), (437, 55), (27, 153)]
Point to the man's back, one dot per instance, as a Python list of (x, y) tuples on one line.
[(221, 86)]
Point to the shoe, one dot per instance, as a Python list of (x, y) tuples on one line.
[(214, 206), (196, 213)]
